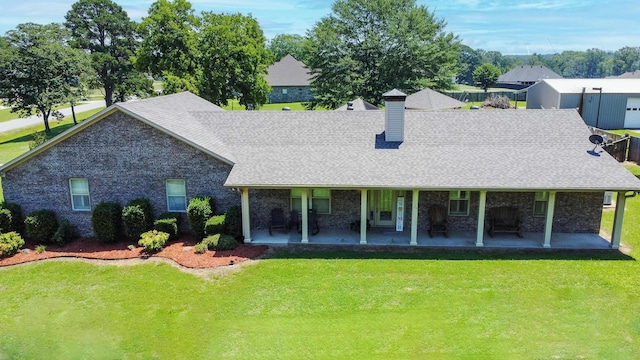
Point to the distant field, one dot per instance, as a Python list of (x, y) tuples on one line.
[(234, 105), (460, 87)]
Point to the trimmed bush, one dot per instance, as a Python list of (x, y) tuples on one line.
[(172, 215), (17, 222), (215, 225), (5, 220), (200, 210), (137, 217), (233, 222), (106, 220), (200, 248), (169, 226), (66, 233), (10, 243), (153, 241), (41, 225), (220, 242)]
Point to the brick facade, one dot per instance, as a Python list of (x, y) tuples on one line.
[(123, 159), (294, 94)]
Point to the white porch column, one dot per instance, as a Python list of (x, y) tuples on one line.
[(246, 222), (481, 210), (363, 216), (414, 218), (551, 205), (617, 220), (305, 216)]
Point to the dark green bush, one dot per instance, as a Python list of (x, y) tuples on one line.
[(137, 217), (66, 233), (106, 220), (233, 222), (153, 241), (200, 248), (169, 226), (172, 215), (10, 243), (5, 220), (220, 242), (200, 210), (17, 222), (215, 225), (41, 225)]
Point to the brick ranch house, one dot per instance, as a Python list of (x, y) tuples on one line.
[(348, 165)]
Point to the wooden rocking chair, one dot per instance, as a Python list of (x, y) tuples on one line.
[(437, 220)]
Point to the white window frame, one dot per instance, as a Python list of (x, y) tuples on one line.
[(456, 198), (311, 197), (86, 194), (183, 195), (542, 198), (285, 91)]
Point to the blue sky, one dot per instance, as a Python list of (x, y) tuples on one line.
[(511, 27)]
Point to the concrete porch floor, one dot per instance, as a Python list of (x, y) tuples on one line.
[(456, 239)]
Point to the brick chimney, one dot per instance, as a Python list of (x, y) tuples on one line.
[(394, 115)]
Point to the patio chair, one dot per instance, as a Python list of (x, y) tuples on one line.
[(437, 220), (277, 221), (504, 219), (294, 220), (312, 220)]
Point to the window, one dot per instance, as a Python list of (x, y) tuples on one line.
[(459, 203), (319, 199), (176, 195), (540, 203), (284, 91), (80, 200)]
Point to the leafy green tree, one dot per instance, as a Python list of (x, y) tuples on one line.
[(596, 63), (626, 59), (168, 47), (486, 75), (234, 60), (468, 61), (103, 29), (503, 63), (289, 44), (37, 69), (569, 64), (365, 48)]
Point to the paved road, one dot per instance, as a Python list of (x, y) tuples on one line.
[(34, 120)]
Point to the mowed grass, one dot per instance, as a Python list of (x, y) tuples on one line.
[(321, 305)]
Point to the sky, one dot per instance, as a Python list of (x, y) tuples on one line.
[(514, 27)]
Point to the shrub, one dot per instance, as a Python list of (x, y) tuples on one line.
[(233, 222), (172, 215), (41, 225), (137, 217), (17, 222), (169, 226), (215, 225), (106, 220), (66, 233), (201, 248), (5, 220), (40, 248), (497, 101), (220, 242), (153, 241), (10, 243), (200, 210)]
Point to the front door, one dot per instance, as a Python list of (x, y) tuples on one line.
[(382, 207)]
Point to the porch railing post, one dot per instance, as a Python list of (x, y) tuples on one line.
[(414, 217), (616, 233), (363, 216), (548, 225), (481, 210), (246, 221), (305, 216)]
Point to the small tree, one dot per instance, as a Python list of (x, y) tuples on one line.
[(486, 75)]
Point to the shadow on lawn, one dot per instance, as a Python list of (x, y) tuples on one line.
[(382, 252)]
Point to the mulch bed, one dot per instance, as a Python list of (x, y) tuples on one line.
[(180, 251)]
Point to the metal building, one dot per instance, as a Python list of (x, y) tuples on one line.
[(603, 103)]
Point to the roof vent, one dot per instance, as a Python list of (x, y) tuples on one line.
[(350, 105), (394, 115)]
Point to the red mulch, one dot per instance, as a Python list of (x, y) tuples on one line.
[(181, 251)]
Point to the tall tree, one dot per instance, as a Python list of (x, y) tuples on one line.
[(486, 75), (367, 47), (38, 70), (289, 44), (168, 47), (103, 28), (233, 60), (468, 61), (626, 59)]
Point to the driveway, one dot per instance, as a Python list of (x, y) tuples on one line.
[(36, 119)]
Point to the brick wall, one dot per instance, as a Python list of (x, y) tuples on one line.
[(123, 159), (294, 94)]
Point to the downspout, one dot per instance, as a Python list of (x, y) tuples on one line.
[(581, 105)]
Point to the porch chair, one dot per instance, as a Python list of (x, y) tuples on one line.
[(437, 220), (504, 219), (277, 221), (312, 220)]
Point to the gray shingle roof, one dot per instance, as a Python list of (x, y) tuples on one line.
[(358, 105), (528, 73), (288, 72), (427, 99)]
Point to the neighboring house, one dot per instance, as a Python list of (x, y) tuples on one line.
[(357, 105), (290, 81), (524, 76), (603, 103), (383, 168), (627, 75), (427, 99)]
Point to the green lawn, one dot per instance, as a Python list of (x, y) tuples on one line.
[(6, 114), (234, 105), (320, 305)]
